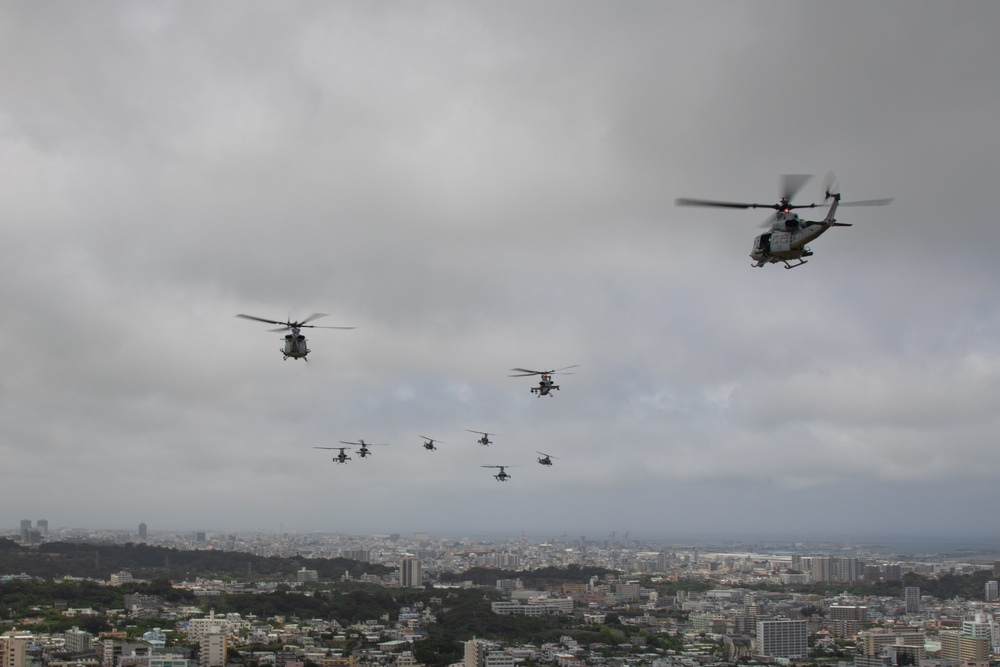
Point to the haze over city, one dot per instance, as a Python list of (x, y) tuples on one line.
[(483, 186)]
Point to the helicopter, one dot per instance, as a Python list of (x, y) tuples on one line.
[(485, 440), (342, 457), (546, 459), (429, 445), (786, 242), (501, 476), (546, 384), (295, 342), (363, 446)]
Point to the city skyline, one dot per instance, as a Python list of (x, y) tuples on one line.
[(480, 187)]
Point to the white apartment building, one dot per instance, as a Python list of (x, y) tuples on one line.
[(783, 639)]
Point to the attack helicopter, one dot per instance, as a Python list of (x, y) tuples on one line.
[(363, 446), (545, 384), (546, 459), (342, 457), (501, 476), (786, 242), (485, 440), (429, 445), (295, 342)]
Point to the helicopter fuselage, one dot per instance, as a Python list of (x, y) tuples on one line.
[(788, 238), (545, 385), (295, 346)]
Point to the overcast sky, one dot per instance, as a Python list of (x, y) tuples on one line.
[(480, 186)]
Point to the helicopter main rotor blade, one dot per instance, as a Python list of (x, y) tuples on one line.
[(524, 371), (683, 201), (314, 316), (868, 202), (326, 448), (314, 326), (560, 370), (792, 183), (260, 319)]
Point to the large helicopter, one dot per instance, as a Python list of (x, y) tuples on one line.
[(546, 459), (545, 384), (342, 457), (429, 445), (363, 446), (501, 476), (786, 242), (485, 440), (295, 342)]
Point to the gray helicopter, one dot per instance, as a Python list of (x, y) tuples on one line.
[(786, 242), (341, 457), (485, 440), (502, 475), (363, 446), (295, 342), (429, 443), (545, 384)]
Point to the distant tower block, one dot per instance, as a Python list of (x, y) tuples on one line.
[(142, 532), (43, 526), (410, 575)]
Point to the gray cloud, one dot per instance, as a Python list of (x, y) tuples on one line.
[(477, 187)]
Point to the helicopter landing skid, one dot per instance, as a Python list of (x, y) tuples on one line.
[(792, 266)]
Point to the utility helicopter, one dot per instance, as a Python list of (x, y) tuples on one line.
[(786, 242), (501, 476), (546, 459), (295, 342), (485, 440), (342, 457), (429, 445), (363, 446), (545, 384)]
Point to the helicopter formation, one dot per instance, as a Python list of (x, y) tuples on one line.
[(785, 243), (429, 444)]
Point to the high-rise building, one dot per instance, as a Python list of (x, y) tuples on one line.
[(960, 646), (783, 639), (983, 625), (911, 598), (847, 621), (78, 641), (410, 575), (142, 532), (821, 569), (991, 592), (12, 651), (213, 648), (361, 555), (43, 527)]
